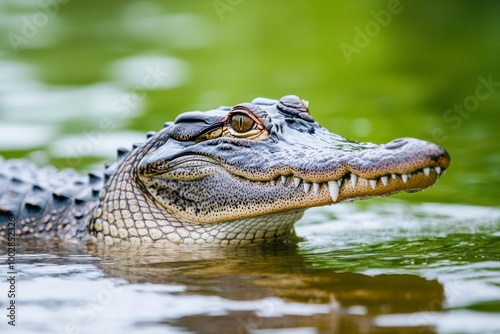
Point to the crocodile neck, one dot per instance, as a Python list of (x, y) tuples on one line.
[(125, 215)]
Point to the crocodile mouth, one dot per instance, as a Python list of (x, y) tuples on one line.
[(349, 186), (352, 186)]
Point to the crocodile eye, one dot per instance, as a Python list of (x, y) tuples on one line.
[(241, 123)]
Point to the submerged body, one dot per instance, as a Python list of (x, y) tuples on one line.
[(227, 176)]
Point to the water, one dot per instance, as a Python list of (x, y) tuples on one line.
[(381, 269), (83, 78)]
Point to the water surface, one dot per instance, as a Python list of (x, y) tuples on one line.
[(379, 269)]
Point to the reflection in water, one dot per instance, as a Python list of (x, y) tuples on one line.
[(375, 270), (209, 290), (276, 287)]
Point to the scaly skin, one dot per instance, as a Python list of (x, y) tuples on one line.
[(227, 176)]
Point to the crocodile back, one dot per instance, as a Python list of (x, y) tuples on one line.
[(43, 202)]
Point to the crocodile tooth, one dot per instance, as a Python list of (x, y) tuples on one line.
[(354, 179), (333, 186), (273, 183), (315, 187), (393, 176), (427, 171), (283, 179), (307, 186), (384, 180), (404, 177), (373, 183), (438, 170), (296, 181)]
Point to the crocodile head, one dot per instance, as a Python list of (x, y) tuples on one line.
[(260, 164)]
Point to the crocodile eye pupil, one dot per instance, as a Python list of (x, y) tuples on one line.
[(242, 123)]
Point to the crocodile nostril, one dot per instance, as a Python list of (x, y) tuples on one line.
[(396, 143), (294, 102), (294, 106)]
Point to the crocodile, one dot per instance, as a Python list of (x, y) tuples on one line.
[(228, 176)]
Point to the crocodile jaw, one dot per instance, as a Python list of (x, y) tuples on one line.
[(355, 187), (204, 191)]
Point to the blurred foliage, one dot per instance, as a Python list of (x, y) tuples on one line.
[(422, 59)]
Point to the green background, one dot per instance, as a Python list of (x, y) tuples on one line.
[(405, 75)]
